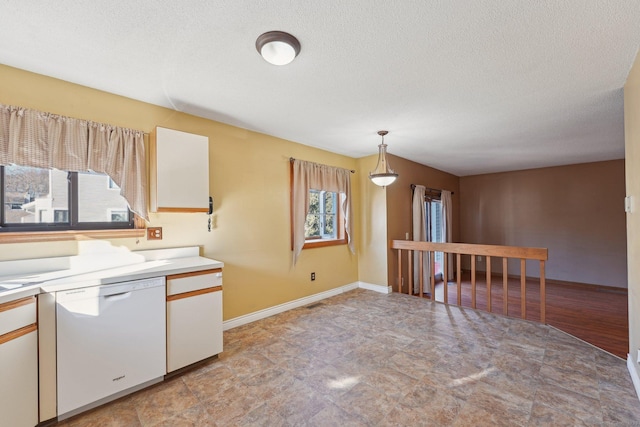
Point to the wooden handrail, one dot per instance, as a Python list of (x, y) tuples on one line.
[(540, 254), (473, 250)]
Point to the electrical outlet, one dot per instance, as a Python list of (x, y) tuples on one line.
[(154, 233), (406, 236), (313, 276)]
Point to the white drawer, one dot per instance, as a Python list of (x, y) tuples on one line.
[(17, 314), (194, 329), (188, 282)]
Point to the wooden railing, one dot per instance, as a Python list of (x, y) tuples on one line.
[(459, 249)]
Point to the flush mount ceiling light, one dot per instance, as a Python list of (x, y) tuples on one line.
[(277, 47), (383, 175)]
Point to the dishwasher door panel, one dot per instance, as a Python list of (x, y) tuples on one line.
[(108, 343)]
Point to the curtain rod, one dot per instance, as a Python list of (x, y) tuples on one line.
[(413, 187), (291, 159)]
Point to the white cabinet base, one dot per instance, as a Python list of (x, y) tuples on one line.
[(194, 317), (194, 329), (19, 384)]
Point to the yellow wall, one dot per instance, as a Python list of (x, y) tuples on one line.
[(249, 175), (372, 256), (632, 170)]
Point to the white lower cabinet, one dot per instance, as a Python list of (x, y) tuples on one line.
[(194, 317), (19, 363)]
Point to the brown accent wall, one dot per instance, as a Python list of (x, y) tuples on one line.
[(399, 196), (575, 211)]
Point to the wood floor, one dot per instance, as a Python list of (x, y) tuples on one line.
[(597, 315)]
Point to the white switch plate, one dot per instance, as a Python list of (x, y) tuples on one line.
[(628, 204)]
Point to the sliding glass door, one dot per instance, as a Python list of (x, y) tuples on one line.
[(434, 230)]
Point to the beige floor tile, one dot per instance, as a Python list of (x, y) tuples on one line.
[(164, 401), (587, 409), (543, 416), (366, 402), (196, 416), (501, 403), (363, 358), (232, 405), (264, 416), (298, 403), (120, 413)]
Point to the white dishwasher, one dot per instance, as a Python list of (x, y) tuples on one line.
[(111, 340)]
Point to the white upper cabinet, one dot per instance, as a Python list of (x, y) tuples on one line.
[(179, 171)]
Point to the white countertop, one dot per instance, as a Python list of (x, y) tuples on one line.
[(101, 268)]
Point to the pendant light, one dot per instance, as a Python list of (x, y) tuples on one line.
[(278, 47), (383, 175)]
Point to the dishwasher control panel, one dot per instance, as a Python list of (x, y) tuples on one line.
[(106, 290)]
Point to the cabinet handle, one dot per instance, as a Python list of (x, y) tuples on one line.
[(194, 293), (121, 295), (9, 336)]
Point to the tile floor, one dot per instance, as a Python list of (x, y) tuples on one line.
[(363, 359)]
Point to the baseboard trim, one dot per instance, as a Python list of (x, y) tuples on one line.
[(634, 375), (281, 308), (377, 288)]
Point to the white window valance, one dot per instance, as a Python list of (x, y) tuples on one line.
[(313, 176), (45, 140)]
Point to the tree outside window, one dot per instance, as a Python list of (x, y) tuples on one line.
[(321, 219)]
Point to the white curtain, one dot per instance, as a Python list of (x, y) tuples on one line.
[(44, 140), (307, 176), (419, 216), (447, 222)]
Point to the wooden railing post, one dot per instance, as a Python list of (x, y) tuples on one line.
[(445, 278), (543, 294), (523, 288), (488, 283), (428, 249), (473, 281), (399, 271), (459, 278), (505, 288), (410, 274), (432, 268), (421, 272)]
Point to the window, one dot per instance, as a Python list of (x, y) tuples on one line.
[(434, 229), (36, 199), (321, 213), (322, 219)]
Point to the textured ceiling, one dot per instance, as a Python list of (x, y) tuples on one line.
[(463, 86)]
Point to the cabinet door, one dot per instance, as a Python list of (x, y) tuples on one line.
[(194, 328), (19, 384), (179, 171)]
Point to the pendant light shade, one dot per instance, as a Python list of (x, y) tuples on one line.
[(278, 47), (383, 175)]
